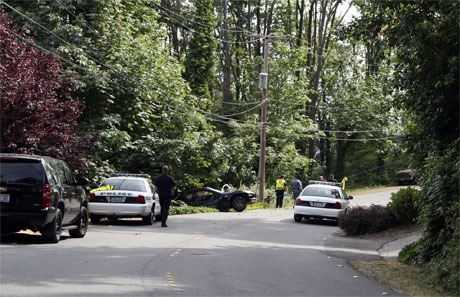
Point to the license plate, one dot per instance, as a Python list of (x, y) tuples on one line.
[(116, 199), (5, 198), (318, 204)]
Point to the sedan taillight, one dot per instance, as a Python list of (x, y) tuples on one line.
[(140, 199), (298, 201), (338, 205), (92, 197)]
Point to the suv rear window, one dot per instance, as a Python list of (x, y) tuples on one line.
[(21, 171)]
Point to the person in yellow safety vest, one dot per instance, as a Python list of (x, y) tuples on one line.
[(102, 188), (280, 187)]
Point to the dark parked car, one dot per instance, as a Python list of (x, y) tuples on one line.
[(406, 176), (41, 194), (209, 197)]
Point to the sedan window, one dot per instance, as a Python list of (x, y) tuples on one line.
[(321, 192), (126, 184)]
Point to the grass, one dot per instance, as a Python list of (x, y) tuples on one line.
[(408, 280)]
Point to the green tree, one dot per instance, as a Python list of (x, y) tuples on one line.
[(200, 59), (38, 112), (425, 39)]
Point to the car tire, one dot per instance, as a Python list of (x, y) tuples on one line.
[(95, 219), (52, 231), (82, 225), (148, 219), (297, 218), (239, 203)]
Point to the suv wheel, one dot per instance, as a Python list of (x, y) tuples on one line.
[(52, 231), (82, 224)]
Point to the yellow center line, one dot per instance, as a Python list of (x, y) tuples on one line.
[(171, 281)]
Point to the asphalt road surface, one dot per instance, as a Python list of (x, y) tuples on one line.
[(253, 253)]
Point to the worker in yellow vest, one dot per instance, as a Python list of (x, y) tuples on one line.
[(280, 187)]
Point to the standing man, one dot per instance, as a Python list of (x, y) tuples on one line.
[(280, 187), (332, 178), (165, 187), (296, 187)]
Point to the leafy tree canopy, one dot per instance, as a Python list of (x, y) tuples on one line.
[(38, 111)]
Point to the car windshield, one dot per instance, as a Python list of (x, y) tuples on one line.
[(126, 184), (321, 192)]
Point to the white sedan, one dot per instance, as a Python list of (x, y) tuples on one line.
[(125, 196), (321, 200)]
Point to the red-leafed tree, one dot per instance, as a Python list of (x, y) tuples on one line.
[(38, 113)]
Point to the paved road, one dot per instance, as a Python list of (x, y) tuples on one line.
[(253, 253), (374, 196)]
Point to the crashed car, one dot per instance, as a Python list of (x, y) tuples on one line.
[(222, 200)]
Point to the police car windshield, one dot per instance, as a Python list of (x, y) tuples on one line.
[(126, 184)]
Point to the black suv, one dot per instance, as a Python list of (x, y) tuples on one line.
[(41, 194)]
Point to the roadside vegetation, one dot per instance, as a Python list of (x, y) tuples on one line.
[(403, 209)]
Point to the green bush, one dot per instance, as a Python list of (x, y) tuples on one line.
[(407, 254), (444, 268), (366, 220), (404, 205), (179, 207)]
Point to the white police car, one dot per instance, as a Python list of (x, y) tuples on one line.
[(321, 200), (125, 195)]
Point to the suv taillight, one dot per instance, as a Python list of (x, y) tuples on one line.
[(46, 199), (140, 199)]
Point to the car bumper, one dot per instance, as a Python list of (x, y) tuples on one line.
[(318, 212), (120, 210), (21, 221)]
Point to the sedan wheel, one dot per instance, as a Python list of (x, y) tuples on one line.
[(149, 219), (95, 219), (297, 218), (239, 203)]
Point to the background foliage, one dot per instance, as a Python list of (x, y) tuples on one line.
[(131, 85)]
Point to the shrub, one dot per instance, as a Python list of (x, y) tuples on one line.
[(404, 205), (180, 207), (407, 254), (366, 220)]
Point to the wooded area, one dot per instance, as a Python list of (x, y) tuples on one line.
[(113, 85)]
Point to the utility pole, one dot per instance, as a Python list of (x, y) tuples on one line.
[(263, 85)]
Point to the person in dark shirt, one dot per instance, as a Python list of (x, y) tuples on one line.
[(296, 187), (164, 187)]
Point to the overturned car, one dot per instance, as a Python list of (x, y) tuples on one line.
[(222, 200)]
